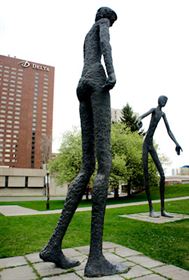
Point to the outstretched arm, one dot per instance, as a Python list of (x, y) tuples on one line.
[(178, 147), (146, 114), (106, 49), (139, 121)]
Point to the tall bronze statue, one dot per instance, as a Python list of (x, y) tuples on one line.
[(95, 114), (148, 148)]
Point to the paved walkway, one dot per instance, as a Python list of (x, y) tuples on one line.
[(15, 210), (31, 267), (29, 198)]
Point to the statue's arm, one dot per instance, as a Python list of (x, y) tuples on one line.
[(146, 114), (139, 121), (106, 50), (178, 147)]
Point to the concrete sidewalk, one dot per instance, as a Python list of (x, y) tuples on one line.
[(31, 267), (29, 198), (15, 210)]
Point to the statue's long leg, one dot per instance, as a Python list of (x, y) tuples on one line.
[(146, 179), (162, 176), (97, 265), (52, 252), (161, 184)]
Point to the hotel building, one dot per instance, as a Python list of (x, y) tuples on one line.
[(26, 109)]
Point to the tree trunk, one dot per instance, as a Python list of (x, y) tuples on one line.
[(116, 192)]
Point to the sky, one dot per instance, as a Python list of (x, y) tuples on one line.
[(150, 49)]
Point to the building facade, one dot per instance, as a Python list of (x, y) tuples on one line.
[(26, 111), (116, 115)]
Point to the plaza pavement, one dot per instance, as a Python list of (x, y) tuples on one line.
[(15, 210), (31, 267)]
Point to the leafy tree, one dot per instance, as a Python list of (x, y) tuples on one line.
[(127, 166), (126, 158), (66, 164), (129, 118)]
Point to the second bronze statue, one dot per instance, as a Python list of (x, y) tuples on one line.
[(148, 148)]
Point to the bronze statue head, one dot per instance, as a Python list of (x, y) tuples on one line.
[(105, 12), (162, 100)]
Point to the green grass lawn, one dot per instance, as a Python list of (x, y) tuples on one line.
[(168, 242), (170, 192)]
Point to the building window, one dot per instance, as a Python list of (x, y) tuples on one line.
[(33, 149), (16, 126), (6, 181), (7, 155), (26, 181)]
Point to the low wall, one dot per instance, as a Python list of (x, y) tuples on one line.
[(27, 182), (177, 179)]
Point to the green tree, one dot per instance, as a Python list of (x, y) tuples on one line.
[(66, 165), (126, 158), (129, 118), (127, 166)]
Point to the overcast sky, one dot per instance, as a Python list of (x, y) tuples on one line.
[(150, 46)]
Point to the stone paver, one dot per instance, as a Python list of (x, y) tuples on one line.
[(161, 220), (111, 257), (136, 271), (47, 269), (145, 261), (67, 276), (111, 277), (18, 273), (83, 250), (33, 258), (126, 252), (110, 245), (150, 277), (172, 272), (72, 252), (11, 262), (31, 267)]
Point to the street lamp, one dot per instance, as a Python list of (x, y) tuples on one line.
[(47, 190)]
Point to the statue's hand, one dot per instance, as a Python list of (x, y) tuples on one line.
[(178, 149), (110, 82), (139, 123)]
